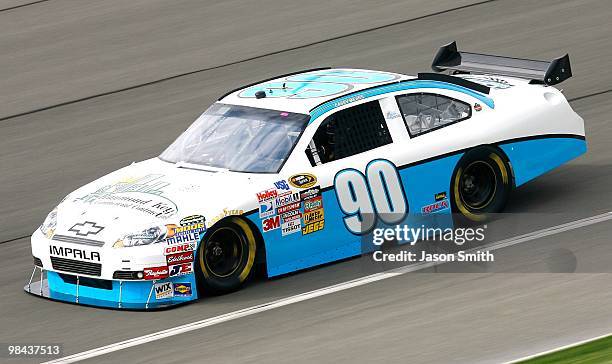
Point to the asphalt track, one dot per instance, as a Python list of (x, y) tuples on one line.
[(56, 52)]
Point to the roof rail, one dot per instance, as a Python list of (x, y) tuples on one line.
[(549, 73), (273, 78), (455, 80)]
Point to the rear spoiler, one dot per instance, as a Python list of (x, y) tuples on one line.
[(549, 73)]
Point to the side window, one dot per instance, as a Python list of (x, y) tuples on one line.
[(349, 132), (425, 112)]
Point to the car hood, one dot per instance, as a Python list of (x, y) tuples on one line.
[(156, 193)]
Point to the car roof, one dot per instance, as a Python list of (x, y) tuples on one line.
[(302, 91)]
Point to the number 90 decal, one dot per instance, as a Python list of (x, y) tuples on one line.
[(378, 194)]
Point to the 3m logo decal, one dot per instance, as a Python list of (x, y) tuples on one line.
[(271, 223)]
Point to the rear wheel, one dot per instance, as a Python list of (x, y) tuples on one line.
[(481, 184), (226, 256)]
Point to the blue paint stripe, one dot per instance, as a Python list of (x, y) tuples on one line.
[(400, 86)]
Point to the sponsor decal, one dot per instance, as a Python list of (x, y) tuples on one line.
[(348, 100), (303, 180), (291, 226), (267, 194), (287, 198), (282, 185), (189, 188), (150, 184), (142, 194), (163, 290), (178, 258), (289, 207), (436, 206), (267, 208), (314, 227), (182, 289), (291, 215), (271, 223), (491, 81), (192, 220), (440, 196), (310, 193), (313, 216), (392, 115), (179, 248), (155, 273), (477, 107), (185, 234), (74, 253), (223, 214), (86, 228), (180, 269), (313, 204)]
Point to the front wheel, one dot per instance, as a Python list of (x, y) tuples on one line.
[(481, 184), (226, 256)]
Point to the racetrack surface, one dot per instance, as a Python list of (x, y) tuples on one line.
[(57, 52)]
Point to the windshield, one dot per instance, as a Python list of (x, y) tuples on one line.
[(238, 138)]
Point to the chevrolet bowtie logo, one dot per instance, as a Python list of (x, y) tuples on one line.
[(86, 228)]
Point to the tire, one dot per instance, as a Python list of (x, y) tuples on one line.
[(481, 184), (226, 256)]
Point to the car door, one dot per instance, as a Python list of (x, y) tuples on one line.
[(347, 138)]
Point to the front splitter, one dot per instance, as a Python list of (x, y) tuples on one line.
[(44, 289)]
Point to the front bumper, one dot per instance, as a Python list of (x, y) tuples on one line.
[(104, 291), (129, 295)]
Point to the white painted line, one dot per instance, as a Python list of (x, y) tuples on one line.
[(319, 292), (554, 350)]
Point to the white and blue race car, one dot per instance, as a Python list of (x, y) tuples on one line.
[(290, 173)]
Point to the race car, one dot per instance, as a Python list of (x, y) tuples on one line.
[(290, 173)]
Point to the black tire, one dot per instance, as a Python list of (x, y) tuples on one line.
[(226, 256), (481, 184)]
